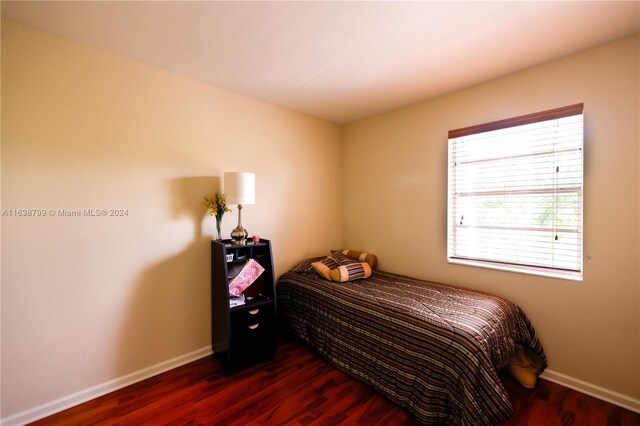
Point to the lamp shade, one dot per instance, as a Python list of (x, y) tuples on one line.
[(240, 187)]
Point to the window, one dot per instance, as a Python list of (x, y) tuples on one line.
[(515, 194)]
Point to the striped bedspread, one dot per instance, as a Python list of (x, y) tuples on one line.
[(432, 348)]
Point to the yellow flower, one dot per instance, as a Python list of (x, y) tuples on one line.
[(216, 205)]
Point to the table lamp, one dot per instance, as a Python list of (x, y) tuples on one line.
[(239, 188)]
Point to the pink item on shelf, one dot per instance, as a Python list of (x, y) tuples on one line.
[(249, 273)]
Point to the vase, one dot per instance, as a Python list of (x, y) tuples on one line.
[(219, 234)]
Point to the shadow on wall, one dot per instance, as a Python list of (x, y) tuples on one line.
[(169, 309), (186, 199)]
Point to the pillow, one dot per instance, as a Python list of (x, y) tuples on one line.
[(342, 259), (324, 267), (350, 272), (360, 256), (305, 265)]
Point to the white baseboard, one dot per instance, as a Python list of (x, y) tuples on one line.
[(74, 399), (596, 391), (69, 401)]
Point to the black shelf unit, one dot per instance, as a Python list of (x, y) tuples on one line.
[(244, 334)]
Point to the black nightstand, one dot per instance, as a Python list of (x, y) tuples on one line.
[(244, 334)]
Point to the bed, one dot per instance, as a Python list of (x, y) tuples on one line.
[(432, 348)]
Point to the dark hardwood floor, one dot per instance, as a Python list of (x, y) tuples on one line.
[(299, 387)]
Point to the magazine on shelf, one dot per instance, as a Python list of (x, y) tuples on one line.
[(247, 276), (236, 300)]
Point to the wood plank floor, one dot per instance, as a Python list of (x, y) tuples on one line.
[(299, 387)]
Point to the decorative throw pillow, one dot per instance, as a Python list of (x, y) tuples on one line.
[(342, 258), (350, 272), (361, 256), (305, 265), (324, 267)]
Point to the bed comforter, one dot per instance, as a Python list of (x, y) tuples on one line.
[(434, 349)]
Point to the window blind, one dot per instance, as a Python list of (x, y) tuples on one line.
[(515, 193)]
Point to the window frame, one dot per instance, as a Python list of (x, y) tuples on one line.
[(552, 114)]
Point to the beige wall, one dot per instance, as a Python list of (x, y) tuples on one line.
[(89, 299), (395, 204)]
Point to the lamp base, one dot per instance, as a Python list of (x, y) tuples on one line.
[(239, 234)]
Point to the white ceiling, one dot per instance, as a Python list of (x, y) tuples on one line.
[(340, 61)]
